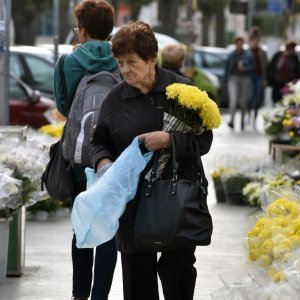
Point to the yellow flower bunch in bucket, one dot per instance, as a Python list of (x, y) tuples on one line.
[(275, 235), (54, 130)]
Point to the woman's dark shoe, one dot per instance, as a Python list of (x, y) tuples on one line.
[(231, 125), (78, 298)]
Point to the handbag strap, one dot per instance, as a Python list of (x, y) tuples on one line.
[(63, 83), (200, 171)]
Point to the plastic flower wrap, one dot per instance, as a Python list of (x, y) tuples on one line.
[(263, 182), (276, 233), (10, 194)]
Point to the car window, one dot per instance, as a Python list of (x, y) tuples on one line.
[(42, 73), (198, 61), (15, 91), (212, 61), (15, 66)]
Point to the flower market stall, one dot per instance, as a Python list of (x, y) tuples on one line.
[(272, 243), (23, 157)]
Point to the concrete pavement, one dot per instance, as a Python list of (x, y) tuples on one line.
[(47, 272)]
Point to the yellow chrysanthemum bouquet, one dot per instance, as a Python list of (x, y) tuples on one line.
[(189, 110), (193, 107), (276, 236)]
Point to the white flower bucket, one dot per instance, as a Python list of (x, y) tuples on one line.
[(4, 234)]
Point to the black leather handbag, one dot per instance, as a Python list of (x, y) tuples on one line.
[(173, 213), (57, 177)]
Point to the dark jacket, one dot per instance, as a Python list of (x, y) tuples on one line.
[(273, 71), (231, 68), (126, 113)]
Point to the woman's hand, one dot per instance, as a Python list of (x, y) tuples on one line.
[(156, 140), (103, 162)]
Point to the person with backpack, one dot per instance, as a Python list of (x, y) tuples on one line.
[(95, 20)]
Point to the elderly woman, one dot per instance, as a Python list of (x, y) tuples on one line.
[(133, 108)]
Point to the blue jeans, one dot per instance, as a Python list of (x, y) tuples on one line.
[(83, 261)]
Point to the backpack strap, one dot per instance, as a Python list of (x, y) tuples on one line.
[(63, 83)]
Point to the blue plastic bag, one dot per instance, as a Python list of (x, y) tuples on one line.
[(96, 211)]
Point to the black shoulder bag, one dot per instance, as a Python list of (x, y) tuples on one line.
[(57, 177), (173, 213)]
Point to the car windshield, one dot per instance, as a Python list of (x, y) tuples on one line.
[(209, 60), (41, 71), (16, 92)]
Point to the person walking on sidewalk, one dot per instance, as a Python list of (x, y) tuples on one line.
[(283, 68), (95, 20), (258, 77), (133, 108), (238, 69)]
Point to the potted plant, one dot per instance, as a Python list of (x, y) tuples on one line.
[(234, 184), (218, 184)]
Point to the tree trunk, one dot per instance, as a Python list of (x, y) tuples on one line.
[(25, 14), (220, 27), (64, 20), (167, 14), (25, 28), (206, 20)]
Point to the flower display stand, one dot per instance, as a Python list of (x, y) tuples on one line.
[(4, 235), (278, 150)]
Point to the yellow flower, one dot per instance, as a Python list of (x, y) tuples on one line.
[(192, 98), (265, 260), (279, 276), (295, 240), (291, 134), (287, 122)]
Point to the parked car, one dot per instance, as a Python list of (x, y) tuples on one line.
[(34, 65), (27, 106), (162, 39), (213, 60)]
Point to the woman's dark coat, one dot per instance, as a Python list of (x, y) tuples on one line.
[(126, 113)]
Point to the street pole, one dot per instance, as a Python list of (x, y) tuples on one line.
[(5, 18), (250, 14), (56, 26)]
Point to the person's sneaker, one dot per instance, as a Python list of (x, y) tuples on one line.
[(230, 124), (78, 298)]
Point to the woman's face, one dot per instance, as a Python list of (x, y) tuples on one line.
[(136, 71)]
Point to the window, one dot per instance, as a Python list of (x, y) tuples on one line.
[(198, 61), (41, 71), (15, 91), (15, 66), (213, 61)]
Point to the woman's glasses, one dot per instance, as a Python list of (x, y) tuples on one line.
[(76, 29)]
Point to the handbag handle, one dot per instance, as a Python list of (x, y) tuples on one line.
[(152, 179)]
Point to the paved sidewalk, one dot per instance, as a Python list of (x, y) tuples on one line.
[(47, 273)]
